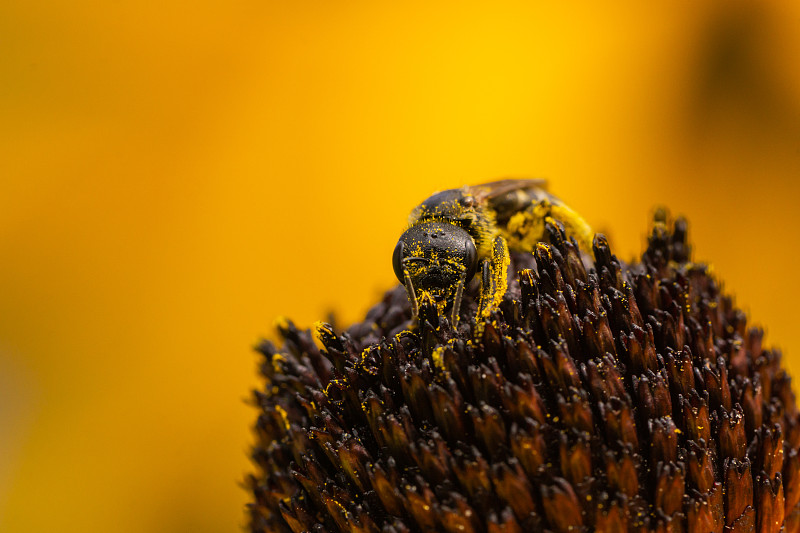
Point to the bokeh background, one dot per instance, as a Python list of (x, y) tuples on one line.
[(176, 175)]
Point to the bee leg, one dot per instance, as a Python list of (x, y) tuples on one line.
[(494, 278), (500, 262), (457, 300), (412, 296), (486, 290)]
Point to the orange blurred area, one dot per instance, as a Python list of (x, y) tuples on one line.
[(173, 177)]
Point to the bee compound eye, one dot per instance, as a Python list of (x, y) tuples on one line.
[(470, 258), (397, 261)]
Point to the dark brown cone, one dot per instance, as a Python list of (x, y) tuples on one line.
[(600, 397)]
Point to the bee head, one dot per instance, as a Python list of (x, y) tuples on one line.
[(436, 255)]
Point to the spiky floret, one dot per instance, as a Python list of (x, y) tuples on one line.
[(600, 396)]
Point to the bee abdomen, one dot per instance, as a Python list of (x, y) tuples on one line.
[(526, 227)]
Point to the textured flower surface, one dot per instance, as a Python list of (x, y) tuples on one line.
[(599, 397)]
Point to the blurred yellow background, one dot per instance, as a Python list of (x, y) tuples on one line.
[(174, 176)]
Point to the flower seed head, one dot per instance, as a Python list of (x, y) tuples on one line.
[(600, 396)]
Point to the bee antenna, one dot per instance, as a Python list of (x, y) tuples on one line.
[(457, 300), (412, 295)]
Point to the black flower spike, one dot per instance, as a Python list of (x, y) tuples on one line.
[(600, 396)]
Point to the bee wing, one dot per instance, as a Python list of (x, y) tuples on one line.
[(496, 189), (510, 196)]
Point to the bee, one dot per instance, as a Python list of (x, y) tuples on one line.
[(458, 233)]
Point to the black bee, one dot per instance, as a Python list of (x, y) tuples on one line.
[(457, 233)]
